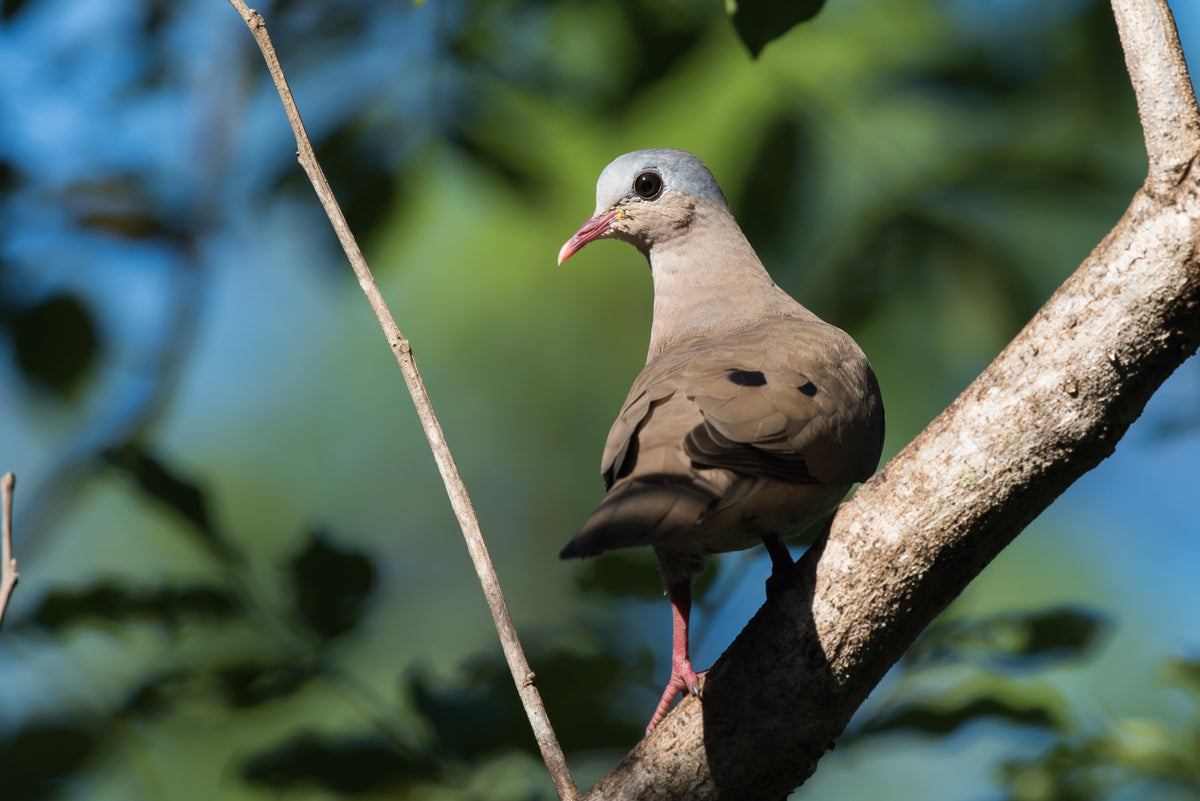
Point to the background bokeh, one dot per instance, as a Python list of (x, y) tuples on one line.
[(240, 576)]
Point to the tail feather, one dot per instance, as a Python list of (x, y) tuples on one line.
[(641, 511)]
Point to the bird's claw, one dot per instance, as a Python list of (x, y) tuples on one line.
[(683, 680)]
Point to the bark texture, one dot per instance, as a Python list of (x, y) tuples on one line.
[(1051, 406)]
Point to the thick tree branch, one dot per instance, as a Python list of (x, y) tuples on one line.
[(522, 675), (8, 565), (1049, 408)]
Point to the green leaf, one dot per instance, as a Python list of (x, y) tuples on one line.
[(41, 758), (55, 343), (353, 765), (352, 158), (1023, 640), (156, 695), (161, 482), (481, 715), (10, 176), (331, 585), (108, 601), (250, 684), (9, 9), (940, 719), (759, 22), (124, 223), (1061, 633)]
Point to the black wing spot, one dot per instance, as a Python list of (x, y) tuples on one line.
[(808, 389), (747, 378)]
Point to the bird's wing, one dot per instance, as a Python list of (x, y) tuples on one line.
[(787, 400), (774, 401)]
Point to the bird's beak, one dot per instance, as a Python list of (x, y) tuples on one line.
[(594, 228)]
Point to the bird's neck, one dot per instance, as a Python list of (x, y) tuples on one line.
[(709, 281)]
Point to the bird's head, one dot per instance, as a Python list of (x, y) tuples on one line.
[(646, 197)]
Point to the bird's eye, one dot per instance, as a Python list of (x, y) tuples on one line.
[(648, 185)]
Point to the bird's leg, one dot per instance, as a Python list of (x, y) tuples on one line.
[(783, 568), (683, 678)]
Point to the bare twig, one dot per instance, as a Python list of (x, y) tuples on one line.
[(8, 565), (522, 675)]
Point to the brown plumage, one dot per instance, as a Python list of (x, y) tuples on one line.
[(752, 417)]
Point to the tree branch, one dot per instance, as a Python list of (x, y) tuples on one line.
[(8, 565), (1051, 406), (522, 675), (1166, 102)]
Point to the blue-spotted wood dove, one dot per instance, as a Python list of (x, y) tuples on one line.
[(752, 417)]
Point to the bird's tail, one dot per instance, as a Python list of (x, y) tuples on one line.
[(641, 511)]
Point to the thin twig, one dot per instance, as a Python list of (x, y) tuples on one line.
[(522, 675), (8, 565)]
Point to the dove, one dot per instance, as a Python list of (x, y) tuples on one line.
[(752, 417)]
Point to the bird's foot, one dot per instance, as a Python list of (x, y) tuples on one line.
[(683, 680)]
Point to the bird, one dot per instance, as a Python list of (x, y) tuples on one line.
[(752, 417)]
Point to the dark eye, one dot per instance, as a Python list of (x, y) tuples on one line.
[(647, 185)]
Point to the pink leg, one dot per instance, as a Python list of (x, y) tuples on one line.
[(683, 678)]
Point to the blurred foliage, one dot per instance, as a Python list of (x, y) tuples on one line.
[(160, 482), (759, 22), (248, 585), (120, 603), (1076, 762), (54, 342), (1141, 757), (347, 766), (331, 586), (1029, 640), (1001, 648), (43, 756)]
